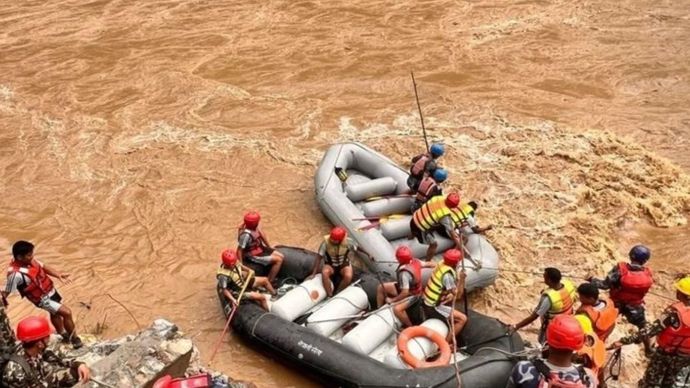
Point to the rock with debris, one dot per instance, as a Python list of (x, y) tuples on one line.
[(139, 360)]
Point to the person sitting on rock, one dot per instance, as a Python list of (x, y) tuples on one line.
[(32, 279), (253, 245), (232, 277), (334, 252), (34, 366)]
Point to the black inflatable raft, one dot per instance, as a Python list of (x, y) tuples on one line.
[(483, 338)]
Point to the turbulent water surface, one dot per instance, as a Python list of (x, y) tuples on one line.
[(134, 135)]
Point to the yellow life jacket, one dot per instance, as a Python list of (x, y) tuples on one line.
[(460, 214), (336, 254), (430, 214), (434, 287), (562, 300), (234, 274)]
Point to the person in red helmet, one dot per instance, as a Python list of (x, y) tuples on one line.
[(433, 215), (32, 279), (564, 336), (253, 245), (34, 366), (334, 253), (232, 275), (409, 279), (445, 286)]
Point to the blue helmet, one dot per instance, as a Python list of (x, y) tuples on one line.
[(640, 254), (437, 150), (440, 175)]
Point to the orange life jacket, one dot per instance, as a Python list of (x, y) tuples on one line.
[(594, 352), (634, 285), (255, 247), (604, 321), (673, 340), (414, 267), (40, 285), (426, 188)]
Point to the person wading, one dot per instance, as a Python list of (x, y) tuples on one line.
[(32, 279), (334, 253), (424, 165), (433, 215), (253, 246), (628, 284), (564, 337), (34, 366), (669, 366), (557, 299), (232, 276)]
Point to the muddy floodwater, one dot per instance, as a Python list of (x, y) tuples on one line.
[(134, 134)]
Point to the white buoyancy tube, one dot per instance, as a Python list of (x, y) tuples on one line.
[(394, 229), (300, 299), (372, 331), (346, 303), (372, 188), (422, 348), (387, 206)]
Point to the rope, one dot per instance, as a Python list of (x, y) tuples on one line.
[(232, 314), (452, 333), (615, 362)]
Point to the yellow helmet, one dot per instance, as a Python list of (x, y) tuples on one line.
[(683, 285), (585, 322)]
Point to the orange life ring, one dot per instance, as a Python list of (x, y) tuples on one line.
[(435, 337)]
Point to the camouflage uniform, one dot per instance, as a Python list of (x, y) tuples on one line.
[(7, 338), (48, 370), (665, 370)]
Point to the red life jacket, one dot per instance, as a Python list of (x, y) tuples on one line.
[(633, 285), (551, 379), (40, 286), (673, 340), (414, 268), (417, 169), (255, 247), (426, 189)]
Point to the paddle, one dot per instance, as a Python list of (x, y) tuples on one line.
[(232, 314), (419, 107)]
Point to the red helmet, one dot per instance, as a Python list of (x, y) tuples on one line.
[(229, 257), (452, 257), (251, 219), (32, 329), (338, 234), (453, 200), (565, 333), (403, 254)]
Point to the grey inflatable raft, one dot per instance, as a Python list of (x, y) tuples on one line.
[(373, 204)]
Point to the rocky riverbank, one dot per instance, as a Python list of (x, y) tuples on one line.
[(138, 360)]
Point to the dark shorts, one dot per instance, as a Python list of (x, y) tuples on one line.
[(52, 303), (415, 311), (421, 236), (338, 268), (634, 314), (263, 258)]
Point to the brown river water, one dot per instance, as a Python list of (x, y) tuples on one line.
[(134, 134)]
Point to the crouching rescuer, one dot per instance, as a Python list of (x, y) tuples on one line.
[(34, 366)]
